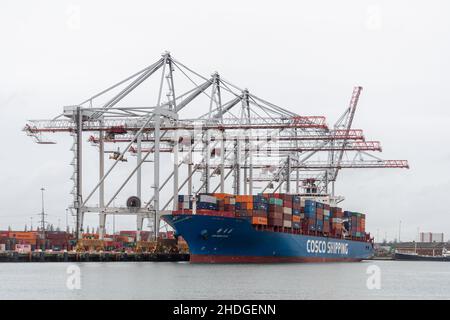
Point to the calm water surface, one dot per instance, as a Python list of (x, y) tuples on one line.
[(157, 280)]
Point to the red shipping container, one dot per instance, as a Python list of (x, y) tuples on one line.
[(229, 207), (259, 213), (243, 213), (275, 222), (180, 212), (336, 212), (275, 208), (276, 215), (287, 203)]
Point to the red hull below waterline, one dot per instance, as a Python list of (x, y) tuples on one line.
[(196, 258)]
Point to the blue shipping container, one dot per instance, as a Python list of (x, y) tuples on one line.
[(310, 203)]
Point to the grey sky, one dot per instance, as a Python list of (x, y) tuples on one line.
[(305, 56)]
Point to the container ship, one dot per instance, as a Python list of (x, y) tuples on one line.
[(269, 228)]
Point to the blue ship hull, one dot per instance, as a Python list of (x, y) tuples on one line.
[(213, 239)]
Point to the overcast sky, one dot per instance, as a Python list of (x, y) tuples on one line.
[(305, 56)]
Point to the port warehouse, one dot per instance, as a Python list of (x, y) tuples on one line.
[(236, 142)]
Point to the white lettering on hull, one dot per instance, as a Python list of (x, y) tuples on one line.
[(327, 247)]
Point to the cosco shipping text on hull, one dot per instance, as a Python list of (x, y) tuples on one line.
[(214, 239)]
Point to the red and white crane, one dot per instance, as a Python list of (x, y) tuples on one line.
[(211, 134)]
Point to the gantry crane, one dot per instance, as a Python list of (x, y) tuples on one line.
[(229, 141)]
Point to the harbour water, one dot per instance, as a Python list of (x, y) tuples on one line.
[(161, 280)]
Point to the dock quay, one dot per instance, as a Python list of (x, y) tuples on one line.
[(12, 256)]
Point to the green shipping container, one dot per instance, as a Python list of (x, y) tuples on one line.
[(276, 201)]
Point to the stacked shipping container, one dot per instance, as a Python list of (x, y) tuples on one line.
[(309, 210), (281, 211), (355, 223), (276, 213), (336, 221), (60, 240), (296, 212), (260, 210), (287, 210), (326, 219)]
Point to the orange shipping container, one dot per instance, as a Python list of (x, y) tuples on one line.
[(221, 195), (244, 198), (31, 242), (259, 220), (230, 200), (246, 205), (22, 235), (295, 218)]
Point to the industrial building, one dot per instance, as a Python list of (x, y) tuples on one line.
[(422, 248), (431, 237)]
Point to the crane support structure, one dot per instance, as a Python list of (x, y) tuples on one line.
[(229, 140)]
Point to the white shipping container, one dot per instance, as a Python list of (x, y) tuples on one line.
[(287, 210), (23, 248), (2, 247), (207, 198), (287, 224)]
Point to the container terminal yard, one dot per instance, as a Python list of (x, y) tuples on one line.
[(232, 156)]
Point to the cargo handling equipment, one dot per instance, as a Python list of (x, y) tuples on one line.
[(199, 134)]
